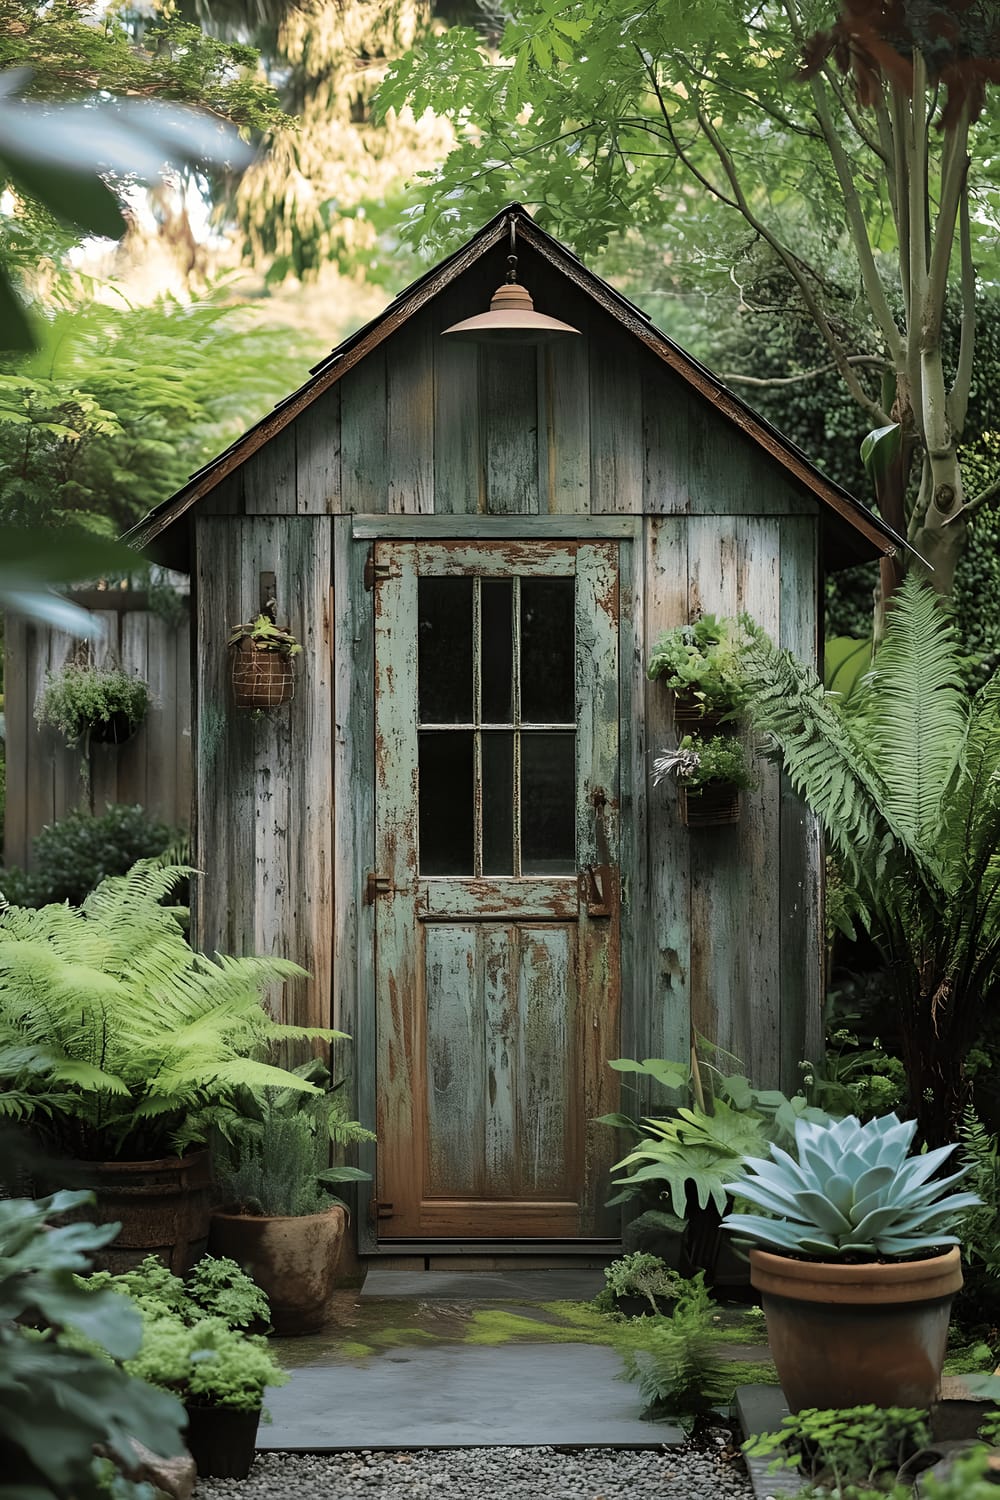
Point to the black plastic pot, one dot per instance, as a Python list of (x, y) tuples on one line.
[(222, 1440)]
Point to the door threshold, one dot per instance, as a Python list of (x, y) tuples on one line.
[(487, 1255)]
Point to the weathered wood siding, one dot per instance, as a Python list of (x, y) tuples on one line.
[(428, 437), (152, 769)]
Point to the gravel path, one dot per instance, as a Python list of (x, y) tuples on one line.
[(488, 1474)]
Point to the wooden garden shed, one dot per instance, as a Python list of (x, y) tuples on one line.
[(452, 825)]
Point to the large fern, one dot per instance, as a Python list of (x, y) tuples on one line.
[(116, 1037), (906, 783)]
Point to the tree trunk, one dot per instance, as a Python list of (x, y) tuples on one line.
[(938, 539)]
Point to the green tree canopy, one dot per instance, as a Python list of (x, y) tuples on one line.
[(852, 134)]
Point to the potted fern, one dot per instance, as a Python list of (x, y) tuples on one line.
[(103, 703), (119, 1045), (278, 1219), (710, 773), (262, 656), (856, 1261), (700, 662)]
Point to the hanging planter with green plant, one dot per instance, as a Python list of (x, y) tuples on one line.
[(104, 703), (262, 671), (700, 662), (710, 773)]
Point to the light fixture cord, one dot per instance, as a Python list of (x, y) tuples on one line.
[(512, 257)]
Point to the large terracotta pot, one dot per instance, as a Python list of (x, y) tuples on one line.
[(163, 1206), (855, 1335), (292, 1260)]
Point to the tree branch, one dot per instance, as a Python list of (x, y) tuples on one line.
[(681, 154), (874, 290), (875, 146), (985, 497), (852, 359), (958, 396), (954, 174), (791, 264)]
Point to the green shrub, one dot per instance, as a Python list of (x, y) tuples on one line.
[(215, 1288), (855, 1446), (642, 1275), (80, 696), (73, 855)]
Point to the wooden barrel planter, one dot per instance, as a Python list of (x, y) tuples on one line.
[(713, 805), (261, 679), (164, 1208)]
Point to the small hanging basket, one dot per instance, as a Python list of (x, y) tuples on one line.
[(691, 716), (261, 678), (713, 805)]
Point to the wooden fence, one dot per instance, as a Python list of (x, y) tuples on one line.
[(152, 769)]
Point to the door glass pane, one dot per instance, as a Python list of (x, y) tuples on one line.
[(548, 654), (498, 802), (447, 830), (444, 650), (548, 783), (498, 650)]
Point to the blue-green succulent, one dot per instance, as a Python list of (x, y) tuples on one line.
[(854, 1192)]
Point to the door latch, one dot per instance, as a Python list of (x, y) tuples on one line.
[(379, 1209), (377, 572), (377, 885)]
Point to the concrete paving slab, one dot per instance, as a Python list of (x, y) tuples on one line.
[(452, 1396), (760, 1408), (563, 1284)]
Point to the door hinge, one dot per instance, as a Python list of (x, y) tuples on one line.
[(377, 572), (377, 885), (379, 1209)]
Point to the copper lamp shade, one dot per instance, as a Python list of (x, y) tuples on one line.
[(511, 320)]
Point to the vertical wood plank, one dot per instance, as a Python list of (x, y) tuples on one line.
[(801, 860), (216, 595), (509, 423), (754, 1011), (269, 481), (459, 473), (616, 452), (162, 731), (20, 728), (363, 436), (185, 708), (455, 1081), (498, 962), (307, 922), (354, 995), (663, 902), (548, 1157), (317, 456), (716, 937), (410, 419), (667, 418), (136, 780), (564, 456), (103, 758)]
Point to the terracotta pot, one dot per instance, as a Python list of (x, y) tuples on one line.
[(163, 1207), (222, 1440), (292, 1260), (261, 679), (856, 1335), (713, 805)]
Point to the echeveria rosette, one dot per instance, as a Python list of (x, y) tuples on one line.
[(852, 1192)]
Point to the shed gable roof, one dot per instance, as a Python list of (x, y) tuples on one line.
[(856, 532)]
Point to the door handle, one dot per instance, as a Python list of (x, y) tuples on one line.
[(596, 881)]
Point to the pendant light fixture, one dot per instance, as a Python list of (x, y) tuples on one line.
[(512, 318)]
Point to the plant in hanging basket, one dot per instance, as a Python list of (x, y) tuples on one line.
[(103, 701), (263, 675), (710, 773), (701, 663)]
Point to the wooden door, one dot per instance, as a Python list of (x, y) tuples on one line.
[(496, 887)]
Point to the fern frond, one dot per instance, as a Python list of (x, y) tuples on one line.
[(825, 762), (916, 713)]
